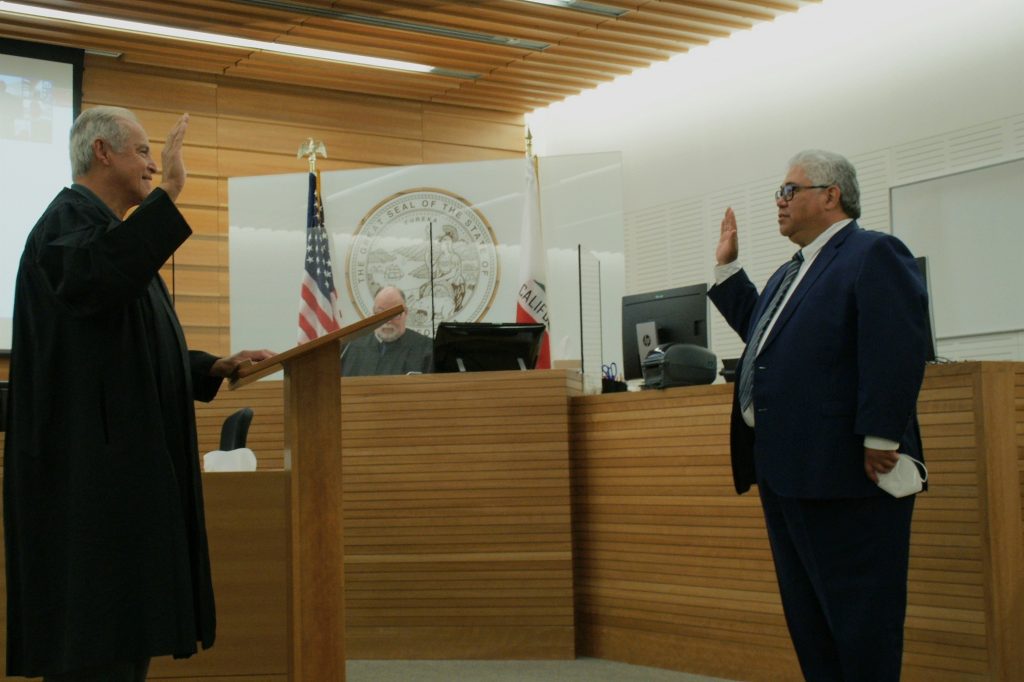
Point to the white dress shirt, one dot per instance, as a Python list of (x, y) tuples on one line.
[(810, 253)]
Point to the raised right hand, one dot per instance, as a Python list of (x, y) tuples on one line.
[(728, 243), (173, 167)]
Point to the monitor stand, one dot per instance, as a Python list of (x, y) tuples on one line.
[(462, 365)]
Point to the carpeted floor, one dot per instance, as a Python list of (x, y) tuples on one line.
[(580, 670)]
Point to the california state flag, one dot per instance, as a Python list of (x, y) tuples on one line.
[(532, 302)]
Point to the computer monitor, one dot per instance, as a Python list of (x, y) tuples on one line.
[(655, 318), (486, 346)]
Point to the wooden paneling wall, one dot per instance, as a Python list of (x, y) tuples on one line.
[(458, 535), (248, 537), (1018, 392), (457, 509), (674, 570), (243, 128), (266, 432), (244, 512), (458, 532)]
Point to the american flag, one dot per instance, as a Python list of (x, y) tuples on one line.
[(318, 299)]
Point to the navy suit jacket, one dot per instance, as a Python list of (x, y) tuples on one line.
[(844, 359)]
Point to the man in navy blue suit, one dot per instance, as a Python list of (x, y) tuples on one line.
[(825, 399)]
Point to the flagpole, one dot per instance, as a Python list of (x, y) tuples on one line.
[(533, 159), (536, 165), (318, 298), (311, 149), (532, 306)]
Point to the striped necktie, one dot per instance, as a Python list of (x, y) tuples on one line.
[(747, 368)]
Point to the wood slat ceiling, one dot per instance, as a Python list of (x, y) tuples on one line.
[(583, 49)]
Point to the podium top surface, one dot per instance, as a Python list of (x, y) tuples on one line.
[(246, 374)]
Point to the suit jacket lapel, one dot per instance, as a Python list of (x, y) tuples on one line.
[(828, 253), (767, 294)]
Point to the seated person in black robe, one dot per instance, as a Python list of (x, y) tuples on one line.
[(391, 349)]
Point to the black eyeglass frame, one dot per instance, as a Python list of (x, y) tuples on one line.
[(788, 191)]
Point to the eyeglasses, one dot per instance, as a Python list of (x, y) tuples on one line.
[(787, 191)]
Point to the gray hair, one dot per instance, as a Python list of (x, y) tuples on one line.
[(106, 123), (829, 168)]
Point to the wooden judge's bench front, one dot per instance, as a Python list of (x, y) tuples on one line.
[(507, 516)]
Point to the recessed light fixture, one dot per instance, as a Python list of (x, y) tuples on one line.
[(109, 54), (224, 40), (583, 6), (398, 24)]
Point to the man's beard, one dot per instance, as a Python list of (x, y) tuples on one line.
[(387, 333)]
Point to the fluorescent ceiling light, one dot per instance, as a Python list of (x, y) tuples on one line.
[(583, 6), (398, 24), (223, 40), (109, 54)]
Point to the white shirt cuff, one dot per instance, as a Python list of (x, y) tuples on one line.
[(878, 443), (724, 272)]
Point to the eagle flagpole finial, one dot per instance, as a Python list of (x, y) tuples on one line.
[(311, 149)]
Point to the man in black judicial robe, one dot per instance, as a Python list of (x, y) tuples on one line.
[(107, 559)]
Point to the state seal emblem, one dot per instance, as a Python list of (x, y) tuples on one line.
[(454, 278)]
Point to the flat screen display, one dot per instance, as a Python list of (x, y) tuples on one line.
[(678, 315), (486, 346), (40, 92)]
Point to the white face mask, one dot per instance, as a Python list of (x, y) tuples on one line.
[(905, 478)]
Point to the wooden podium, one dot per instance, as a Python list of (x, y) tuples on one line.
[(312, 453)]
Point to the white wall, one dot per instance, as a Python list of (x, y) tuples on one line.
[(908, 89)]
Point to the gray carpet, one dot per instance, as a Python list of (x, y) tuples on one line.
[(580, 670)]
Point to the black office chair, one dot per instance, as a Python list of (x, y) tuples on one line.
[(235, 429)]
